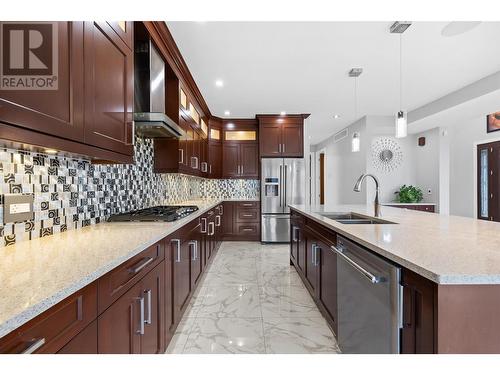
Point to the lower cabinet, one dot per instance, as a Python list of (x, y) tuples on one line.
[(417, 334), (83, 343), (241, 221), (133, 323), (311, 262), (181, 268)]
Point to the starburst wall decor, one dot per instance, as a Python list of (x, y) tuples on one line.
[(386, 154)]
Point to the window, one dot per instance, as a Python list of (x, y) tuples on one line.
[(240, 135), (484, 182)]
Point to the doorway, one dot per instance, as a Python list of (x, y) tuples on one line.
[(488, 181), (321, 178)]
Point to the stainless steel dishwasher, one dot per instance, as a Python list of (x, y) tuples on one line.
[(369, 300)]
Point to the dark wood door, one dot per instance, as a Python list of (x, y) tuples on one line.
[(83, 343), (230, 160), (181, 269), (292, 140), (215, 159), (119, 326), (55, 112), (417, 334), (311, 262), (270, 139), (194, 244), (249, 160), (109, 90), (327, 289), (153, 294), (488, 181)]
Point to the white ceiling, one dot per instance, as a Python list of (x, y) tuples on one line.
[(301, 67)]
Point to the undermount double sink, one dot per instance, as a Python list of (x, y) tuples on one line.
[(353, 218)]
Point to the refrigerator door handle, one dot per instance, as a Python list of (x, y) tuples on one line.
[(284, 195), (281, 183)]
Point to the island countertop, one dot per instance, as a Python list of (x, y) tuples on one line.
[(444, 249)]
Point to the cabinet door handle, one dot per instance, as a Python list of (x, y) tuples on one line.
[(140, 265), (313, 254), (211, 225), (181, 156), (217, 221), (148, 320), (279, 148), (283, 147), (210, 167), (242, 169), (204, 225), (131, 142), (35, 345), (178, 242), (294, 231), (140, 331), (194, 243)]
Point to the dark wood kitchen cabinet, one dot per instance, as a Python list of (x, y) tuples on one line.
[(240, 160), (311, 272), (327, 286), (181, 274), (281, 136), (132, 324), (109, 89), (194, 244), (215, 148), (83, 343), (417, 334), (241, 221), (297, 242), (56, 112)]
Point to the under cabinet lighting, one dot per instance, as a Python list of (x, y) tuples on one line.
[(355, 142)]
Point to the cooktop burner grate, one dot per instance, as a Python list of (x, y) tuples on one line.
[(158, 213)]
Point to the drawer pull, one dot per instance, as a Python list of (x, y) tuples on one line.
[(247, 230), (247, 215), (37, 344), (141, 265), (247, 204)]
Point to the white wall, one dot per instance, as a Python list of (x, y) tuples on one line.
[(427, 164), (463, 138)]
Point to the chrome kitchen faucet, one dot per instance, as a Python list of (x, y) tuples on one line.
[(357, 188)]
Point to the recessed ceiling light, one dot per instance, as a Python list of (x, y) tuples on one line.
[(282, 113), (230, 125), (227, 113), (219, 83), (336, 116)]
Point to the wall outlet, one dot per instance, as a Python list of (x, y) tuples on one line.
[(429, 191), (17, 208)]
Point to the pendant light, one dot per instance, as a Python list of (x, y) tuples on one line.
[(401, 117), (356, 140)]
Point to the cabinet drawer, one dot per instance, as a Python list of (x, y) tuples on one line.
[(249, 204), (247, 215), (50, 331), (118, 281), (247, 229)]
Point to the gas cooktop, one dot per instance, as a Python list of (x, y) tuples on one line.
[(158, 213)]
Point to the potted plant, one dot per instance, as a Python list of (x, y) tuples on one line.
[(409, 194)]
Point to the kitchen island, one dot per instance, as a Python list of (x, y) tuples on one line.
[(450, 271)]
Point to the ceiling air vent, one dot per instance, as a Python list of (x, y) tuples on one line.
[(341, 135), (399, 27)]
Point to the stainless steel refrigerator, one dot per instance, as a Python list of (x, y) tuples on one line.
[(282, 184)]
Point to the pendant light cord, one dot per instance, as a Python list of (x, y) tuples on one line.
[(400, 72)]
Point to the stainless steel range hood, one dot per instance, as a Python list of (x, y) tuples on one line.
[(150, 118)]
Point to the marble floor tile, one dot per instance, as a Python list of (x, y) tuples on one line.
[(298, 336), (236, 300), (250, 300), (226, 335)]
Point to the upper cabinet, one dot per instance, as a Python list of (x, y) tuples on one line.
[(90, 111), (109, 88), (281, 136), (56, 112), (240, 149)]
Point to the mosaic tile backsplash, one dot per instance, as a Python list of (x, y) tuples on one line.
[(73, 193)]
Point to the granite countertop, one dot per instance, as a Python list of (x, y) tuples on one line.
[(408, 204), (444, 249), (35, 275)]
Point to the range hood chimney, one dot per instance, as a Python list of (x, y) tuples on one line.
[(150, 118)]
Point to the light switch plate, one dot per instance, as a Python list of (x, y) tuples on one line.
[(17, 208)]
